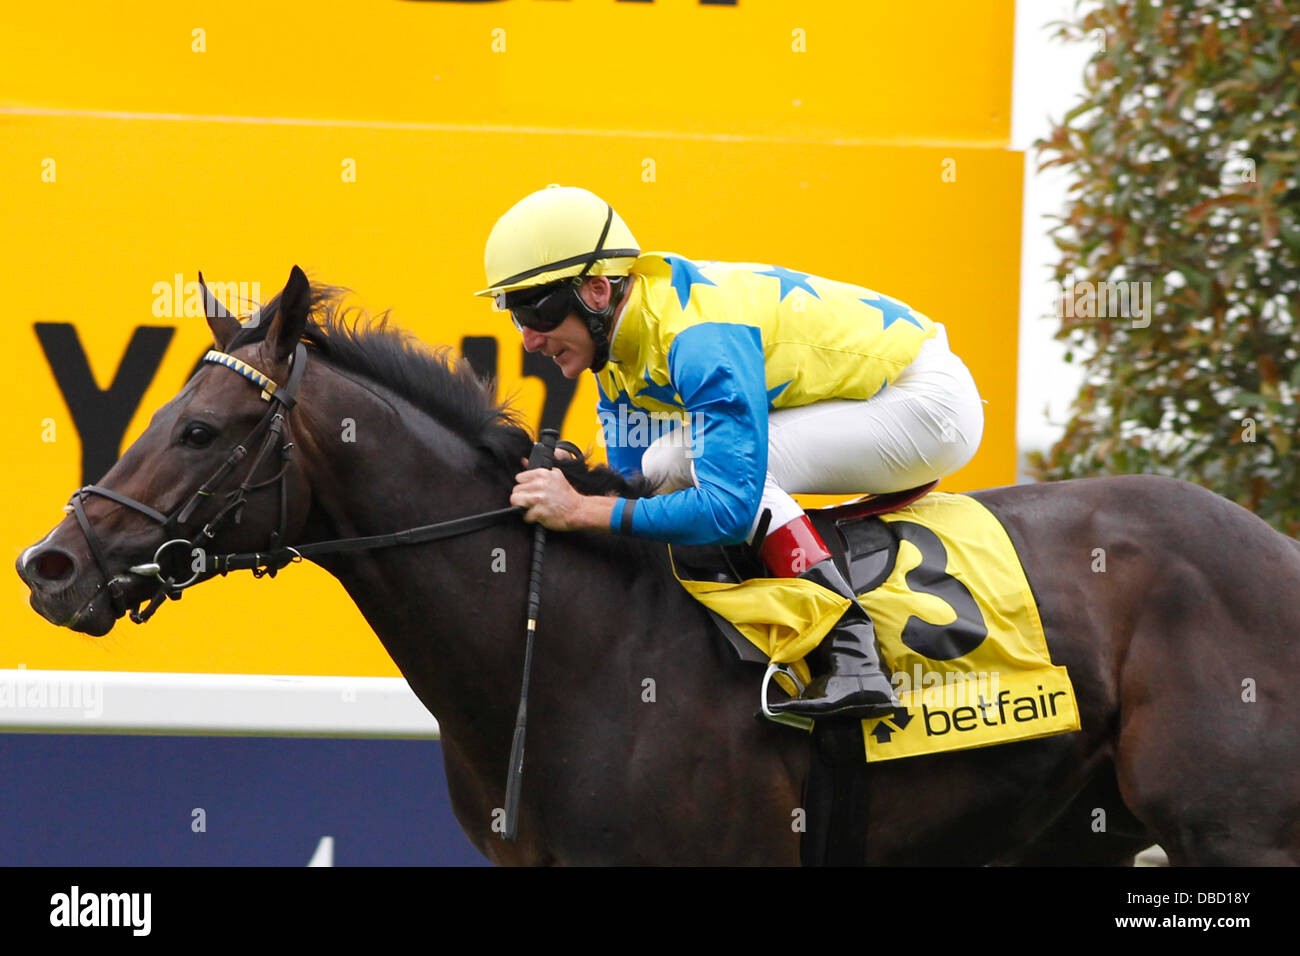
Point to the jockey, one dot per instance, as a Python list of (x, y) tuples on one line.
[(780, 382)]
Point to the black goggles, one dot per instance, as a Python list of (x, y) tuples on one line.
[(541, 312)]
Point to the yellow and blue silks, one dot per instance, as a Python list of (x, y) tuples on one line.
[(718, 345)]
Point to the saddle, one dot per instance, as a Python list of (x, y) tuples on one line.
[(862, 546)]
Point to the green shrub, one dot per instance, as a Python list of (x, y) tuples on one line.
[(1184, 156)]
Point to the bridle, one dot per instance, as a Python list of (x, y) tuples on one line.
[(271, 429)]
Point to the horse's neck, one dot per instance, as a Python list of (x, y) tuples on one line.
[(435, 606), (452, 613)]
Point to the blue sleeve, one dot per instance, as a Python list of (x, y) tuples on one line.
[(614, 415), (719, 371)]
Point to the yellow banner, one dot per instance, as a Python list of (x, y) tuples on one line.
[(929, 72), (375, 144)]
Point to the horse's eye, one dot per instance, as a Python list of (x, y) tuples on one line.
[(197, 436)]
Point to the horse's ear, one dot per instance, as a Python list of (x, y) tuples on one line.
[(220, 321), (290, 315)]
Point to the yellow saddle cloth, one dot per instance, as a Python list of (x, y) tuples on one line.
[(956, 622)]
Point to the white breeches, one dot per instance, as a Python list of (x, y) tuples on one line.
[(926, 424)]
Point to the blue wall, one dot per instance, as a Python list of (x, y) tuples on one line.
[(91, 800)]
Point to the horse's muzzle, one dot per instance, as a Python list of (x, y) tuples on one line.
[(68, 590)]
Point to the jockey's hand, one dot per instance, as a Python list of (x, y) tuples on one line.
[(558, 454), (549, 498)]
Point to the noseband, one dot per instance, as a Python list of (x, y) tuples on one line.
[(281, 400)]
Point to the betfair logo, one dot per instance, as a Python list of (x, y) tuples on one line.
[(998, 712)]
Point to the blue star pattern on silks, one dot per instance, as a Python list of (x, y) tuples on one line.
[(774, 393), (893, 310), (790, 280), (662, 393), (685, 275)]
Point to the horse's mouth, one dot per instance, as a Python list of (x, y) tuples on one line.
[(98, 614)]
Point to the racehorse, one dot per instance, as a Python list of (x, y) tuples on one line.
[(1182, 652)]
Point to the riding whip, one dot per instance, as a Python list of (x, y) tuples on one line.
[(542, 456)]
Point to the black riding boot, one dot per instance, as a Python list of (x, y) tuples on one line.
[(856, 685)]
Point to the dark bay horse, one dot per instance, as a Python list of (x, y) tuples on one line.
[(1183, 651)]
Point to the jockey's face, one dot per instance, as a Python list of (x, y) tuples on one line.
[(569, 344)]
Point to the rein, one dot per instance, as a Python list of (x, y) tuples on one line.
[(282, 399)]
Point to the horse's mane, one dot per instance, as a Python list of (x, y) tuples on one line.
[(435, 380)]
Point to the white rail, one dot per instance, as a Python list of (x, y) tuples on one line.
[(226, 704)]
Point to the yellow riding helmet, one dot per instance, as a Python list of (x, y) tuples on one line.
[(555, 233)]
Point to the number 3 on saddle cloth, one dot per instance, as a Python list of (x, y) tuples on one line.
[(955, 618)]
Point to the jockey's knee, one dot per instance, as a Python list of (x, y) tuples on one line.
[(959, 440), (667, 466), (950, 459)]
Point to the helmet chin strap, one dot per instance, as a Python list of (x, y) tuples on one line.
[(599, 321)]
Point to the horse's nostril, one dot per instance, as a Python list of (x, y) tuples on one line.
[(53, 565)]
